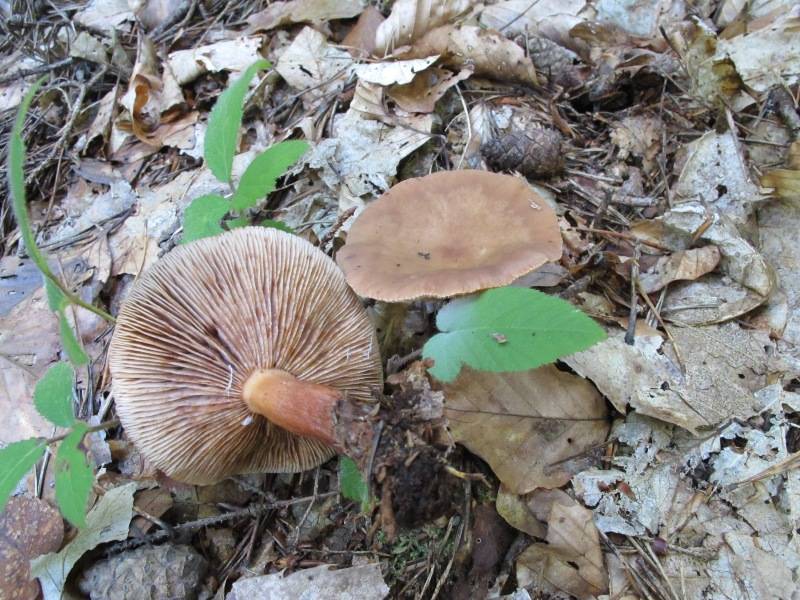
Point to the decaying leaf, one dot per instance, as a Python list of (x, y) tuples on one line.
[(228, 55), (363, 582), (29, 527), (311, 65), (572, 561), (389, 73), (278, 14), (487, 52), (422, 94), (360, 40), (686, 265), (104, 15), (550, 18), (530, 512), (411, 19), (526, 425), (722, 366), (786, 182)]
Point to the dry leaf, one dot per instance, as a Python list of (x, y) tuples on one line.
[(363, 582), (487, 52), (104, 15), (29, 527), (571, 561), (314, 67), (529, 512), (526, 425), (360, 40), (550, 18), (411, 19), (388, 73), (227, 55), (278, 14), (688, 265), (422, 94)]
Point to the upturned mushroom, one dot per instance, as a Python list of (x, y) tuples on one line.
[(447, 234), (235, 354)]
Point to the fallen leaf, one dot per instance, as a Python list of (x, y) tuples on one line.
[(550, 18), (640, 18), (724, 365), (278, 14), (391, 72), (104, 15), (411, 19), (363, 582), (227, 55), (28, 527), (487, 52), (360, 40), (685, 265), (106, 522), (526, 425), (572, 561), (422, 94), (529, 512), (785, 182)]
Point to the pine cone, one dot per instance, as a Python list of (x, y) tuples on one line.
[(535, 153)]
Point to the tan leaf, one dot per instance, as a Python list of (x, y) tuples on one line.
[(489, 53), (411, 19), (360, 40), (422, 94), (302, 11), (226, 55), (529, 512), (526, 425), (571, 561), (688, 265)]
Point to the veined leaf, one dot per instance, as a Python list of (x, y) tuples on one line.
[(352, 483), (224, 123), (74, 477), (53, 394), (507, 329), (261, 175), (202, 217), (16, 459)]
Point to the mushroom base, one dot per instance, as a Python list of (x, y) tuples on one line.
[(304, 408)]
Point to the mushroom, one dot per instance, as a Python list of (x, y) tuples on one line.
[(449, 233), (234, 354)]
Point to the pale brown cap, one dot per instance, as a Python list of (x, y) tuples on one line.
[(449, 233), (207, 316)]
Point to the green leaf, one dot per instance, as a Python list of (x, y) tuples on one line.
[(56, 299), (75, 352), (16, 459), (262, 174), (202, 217), (352, 484), (276, 225), (53, 394), (74, 477), (224, 123), (507, 329)]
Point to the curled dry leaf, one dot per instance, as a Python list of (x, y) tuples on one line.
[(278, 14), (687, 265), (526, 425), (360, 40), (487, 52), (391, 72), (29, 527), (227, 55), (530, 512), (422, 94), (572, 561), (411, 19)]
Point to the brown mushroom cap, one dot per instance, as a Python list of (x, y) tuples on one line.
[(449, 233), (210, 315)]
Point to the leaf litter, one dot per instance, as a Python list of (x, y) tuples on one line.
[(661, 462)]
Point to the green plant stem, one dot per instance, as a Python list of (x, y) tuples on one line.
[(111, 423)]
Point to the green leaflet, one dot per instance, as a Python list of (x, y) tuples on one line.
[(352, 484), (16, 459), (224, 123), (74, 477), (261, 175), (507, 329), (202, 217), (53, 394)]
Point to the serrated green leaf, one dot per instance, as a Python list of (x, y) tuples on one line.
[(261, 175), (74, 477), (56, 299), (16, 459), (75, 352), (276, 225), (224, 122), (202, 217), (507, 329), (53, 394), (352, 484)]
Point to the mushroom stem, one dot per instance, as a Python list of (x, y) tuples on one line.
[(304, 408)]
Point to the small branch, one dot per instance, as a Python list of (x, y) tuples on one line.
[(110, 424)]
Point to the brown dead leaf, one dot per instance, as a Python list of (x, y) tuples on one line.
[(572, 561), (278, 14), (686, 265), (487, 52), (529, 512), (551, 18), (526, 425), (360, 40), (411, 19), (422, 94), (29, 527), (785, 182)]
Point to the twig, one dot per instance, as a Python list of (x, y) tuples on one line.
[(329, 235), (630, 334), (110, 424), (459, 538), (44, 68)]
